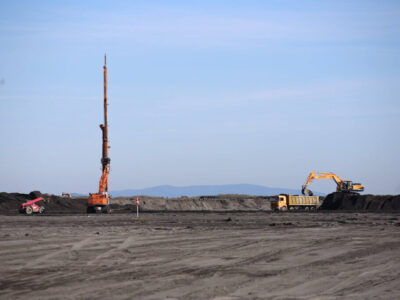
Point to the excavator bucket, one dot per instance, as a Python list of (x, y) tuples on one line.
[(306, 191)]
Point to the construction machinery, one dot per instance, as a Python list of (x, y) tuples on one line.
[(66, 195), (284, 202), (341, 185), (100, 201), (32, 207)]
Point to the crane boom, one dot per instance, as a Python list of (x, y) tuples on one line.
[(105, 160)]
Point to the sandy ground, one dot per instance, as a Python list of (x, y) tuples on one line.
[(201, 256)]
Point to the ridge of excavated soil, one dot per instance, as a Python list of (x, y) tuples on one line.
[(353, 201), (10, 203)]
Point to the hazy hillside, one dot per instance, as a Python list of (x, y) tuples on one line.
[(204, 190)]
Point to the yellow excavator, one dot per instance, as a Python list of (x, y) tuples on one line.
[(341, 185)]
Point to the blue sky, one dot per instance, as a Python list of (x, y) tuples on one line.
[(200, 92)]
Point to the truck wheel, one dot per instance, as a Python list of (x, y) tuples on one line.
[(41, 209), (284, 208), (306, 208), (28, 210), (107, 210), (90, 210)]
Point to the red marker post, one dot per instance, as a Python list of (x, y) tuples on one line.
[(137, 207)]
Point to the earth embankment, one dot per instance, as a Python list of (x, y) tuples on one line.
[(353, 201), (204, 203), (10, 203)]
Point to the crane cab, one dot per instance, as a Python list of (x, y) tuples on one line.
[(99, 203)]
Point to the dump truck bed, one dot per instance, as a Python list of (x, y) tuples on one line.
[(303, 200)]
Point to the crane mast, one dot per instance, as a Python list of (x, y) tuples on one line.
[(100, 201), (105, 160)]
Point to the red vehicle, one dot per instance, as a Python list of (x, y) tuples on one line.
[(31, 207)]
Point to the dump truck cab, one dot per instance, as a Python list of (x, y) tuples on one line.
[(278, 202)]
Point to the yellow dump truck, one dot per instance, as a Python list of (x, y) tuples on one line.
[(293, 202)]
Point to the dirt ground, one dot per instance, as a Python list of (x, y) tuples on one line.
[(260, 255)]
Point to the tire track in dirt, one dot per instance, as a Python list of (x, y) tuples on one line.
[(195, 256), (126, 243), (245, 276), (44, 258)]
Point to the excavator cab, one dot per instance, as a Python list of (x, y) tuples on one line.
[(346, 185), (349, 186)]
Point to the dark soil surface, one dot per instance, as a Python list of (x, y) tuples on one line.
[(258, 255)]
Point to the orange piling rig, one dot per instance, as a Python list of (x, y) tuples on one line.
[(100, 202)]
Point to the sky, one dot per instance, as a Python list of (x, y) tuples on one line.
[(200, 92)]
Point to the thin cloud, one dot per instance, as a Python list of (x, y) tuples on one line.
[(318, 92), (186, 28)]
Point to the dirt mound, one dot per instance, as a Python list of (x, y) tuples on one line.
[(10, 203), (352, 201), (204, 203), (56, 204)]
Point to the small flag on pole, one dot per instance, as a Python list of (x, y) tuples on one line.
[(137, 207)]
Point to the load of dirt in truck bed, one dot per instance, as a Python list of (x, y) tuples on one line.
[(353, 201)]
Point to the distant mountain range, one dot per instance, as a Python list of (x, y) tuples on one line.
[(204, 190)]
